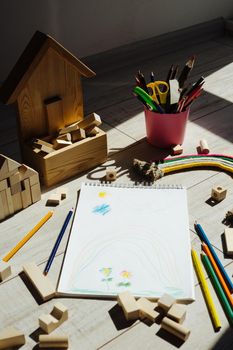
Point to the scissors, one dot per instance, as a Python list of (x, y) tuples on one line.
[(158, 91), (147, 100)]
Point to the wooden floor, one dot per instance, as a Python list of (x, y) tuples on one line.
[(99, 324)]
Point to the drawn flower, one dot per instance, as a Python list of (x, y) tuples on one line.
[(126, 275), (106, 272)]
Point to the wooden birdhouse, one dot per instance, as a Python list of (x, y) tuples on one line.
[(46, 84), (19, 186)]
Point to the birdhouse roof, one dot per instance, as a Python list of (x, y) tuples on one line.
[(28, 61)]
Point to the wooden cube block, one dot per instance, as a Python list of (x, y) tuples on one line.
[(111, 174), (175, 328), (129, 305), (146, 309), (177, 150), (218, 193), (53, 200), (77, 135), (11, 337), (166, 301), (228, 233), (204, 148), (5, 270), (177, 313)]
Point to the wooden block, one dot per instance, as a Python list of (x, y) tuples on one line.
[(16, 188), (17, 201), (53, 200), (26, 194), (177, 150), (228, 233), (92, 131), (2, 212), (129, 305), (59, 143), (146, 309), (65, 137), (35, 193), (78, 134), (111, 174), (90, 120), (166, 301), (218, 193), (54, 111), (62, 192), (175, 328), (39, 143), (46, 149), (10, 203), (50, 322), (204, 148), (177, 313), (15, 179), (69, 128), (34, 179), (11, 337), (3, 197), (12, 164), (53, 341), (3, 167), (42, 284), (5, 270), (3, 185)]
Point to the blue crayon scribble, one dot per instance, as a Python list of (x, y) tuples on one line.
[(101, 209)]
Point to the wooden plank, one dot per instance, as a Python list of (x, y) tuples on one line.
[(54, 111)]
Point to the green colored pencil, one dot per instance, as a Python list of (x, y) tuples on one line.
[(218, 288)]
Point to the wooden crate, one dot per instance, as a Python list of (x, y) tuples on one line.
[(46, 84)]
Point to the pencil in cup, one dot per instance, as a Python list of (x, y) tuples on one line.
[(27, 237), (57, 243), (222, 297), (206, 292)]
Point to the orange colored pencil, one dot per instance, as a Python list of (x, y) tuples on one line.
[(218, 273)]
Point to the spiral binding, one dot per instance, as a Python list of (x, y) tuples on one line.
[(144, 185)]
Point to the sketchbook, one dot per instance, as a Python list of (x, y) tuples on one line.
[(132, 238)]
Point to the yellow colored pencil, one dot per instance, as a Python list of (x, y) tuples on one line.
[(206, 291), (28, 236)]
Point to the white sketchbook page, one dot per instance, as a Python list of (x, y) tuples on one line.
[(133, 239)]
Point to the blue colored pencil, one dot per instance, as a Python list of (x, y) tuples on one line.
[(205, 239), (57, 243)]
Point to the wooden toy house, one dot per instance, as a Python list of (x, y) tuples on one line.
[(19, 186), (46, 84)]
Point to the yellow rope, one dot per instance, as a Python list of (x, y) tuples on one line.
[(174, 168)]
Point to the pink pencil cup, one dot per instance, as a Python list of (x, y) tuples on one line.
[(165, 130)]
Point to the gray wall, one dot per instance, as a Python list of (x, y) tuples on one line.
[(92, 26)]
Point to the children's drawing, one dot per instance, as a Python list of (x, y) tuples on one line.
[(139, 241)]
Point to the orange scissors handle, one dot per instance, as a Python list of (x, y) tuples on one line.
[(158, 91)]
